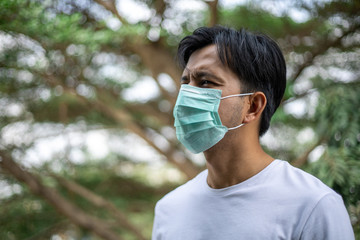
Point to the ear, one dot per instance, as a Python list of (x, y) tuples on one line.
[(257, 103)]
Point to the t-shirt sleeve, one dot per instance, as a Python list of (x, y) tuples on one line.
[(156, 232), (328, 220)]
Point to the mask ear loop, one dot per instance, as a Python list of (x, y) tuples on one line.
[(237, 95), (236, 127)]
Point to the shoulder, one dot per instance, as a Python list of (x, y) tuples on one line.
[(291, 184), (328, 220), (301, 181), (322, 210)]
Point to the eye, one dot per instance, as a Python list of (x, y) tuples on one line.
[(205, 83), (184, 80)]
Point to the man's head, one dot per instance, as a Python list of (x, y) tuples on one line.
[(255, 59)]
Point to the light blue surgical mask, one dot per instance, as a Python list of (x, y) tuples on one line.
[(197, 121)]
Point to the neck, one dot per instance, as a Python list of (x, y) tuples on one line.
[(231, 162)]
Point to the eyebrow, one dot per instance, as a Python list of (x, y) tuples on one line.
[(199, 74)]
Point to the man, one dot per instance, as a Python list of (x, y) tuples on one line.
[(232, 83)]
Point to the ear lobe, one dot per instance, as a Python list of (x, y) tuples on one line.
[(257, 103)]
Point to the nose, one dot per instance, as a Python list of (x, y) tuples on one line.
[(189, 81), (192, 82)]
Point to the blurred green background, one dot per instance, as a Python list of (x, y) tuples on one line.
[(87, 87)]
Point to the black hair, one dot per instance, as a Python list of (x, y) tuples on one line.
[(255, 58)]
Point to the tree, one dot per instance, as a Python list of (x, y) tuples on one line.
[(69, 66)]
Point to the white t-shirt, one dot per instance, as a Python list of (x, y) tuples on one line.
[(280, 202)]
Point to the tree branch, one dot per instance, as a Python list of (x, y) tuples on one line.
[(50, 231), (164, 63), (111, 6), (99, 202), (213, 7), (66, 208), (323, 47), (302, 160), (160, 6), (150, 109), (296, 97), (318, 89)]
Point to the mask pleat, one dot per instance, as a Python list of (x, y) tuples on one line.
[(196, 127), (198, 142), (189, 119), (194, 103)]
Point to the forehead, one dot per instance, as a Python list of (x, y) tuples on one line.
[(207, 59), (204, 58)]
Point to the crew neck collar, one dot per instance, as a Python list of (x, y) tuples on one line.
[(256, 179)]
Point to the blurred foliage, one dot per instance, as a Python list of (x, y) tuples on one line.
[(338, 124), (72, 68)]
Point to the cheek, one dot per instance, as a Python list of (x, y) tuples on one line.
[(222, 112), (230, 112)]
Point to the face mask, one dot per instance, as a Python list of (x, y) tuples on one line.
[(197, 121)]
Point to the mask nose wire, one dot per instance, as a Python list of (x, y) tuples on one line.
[(236, 95)]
